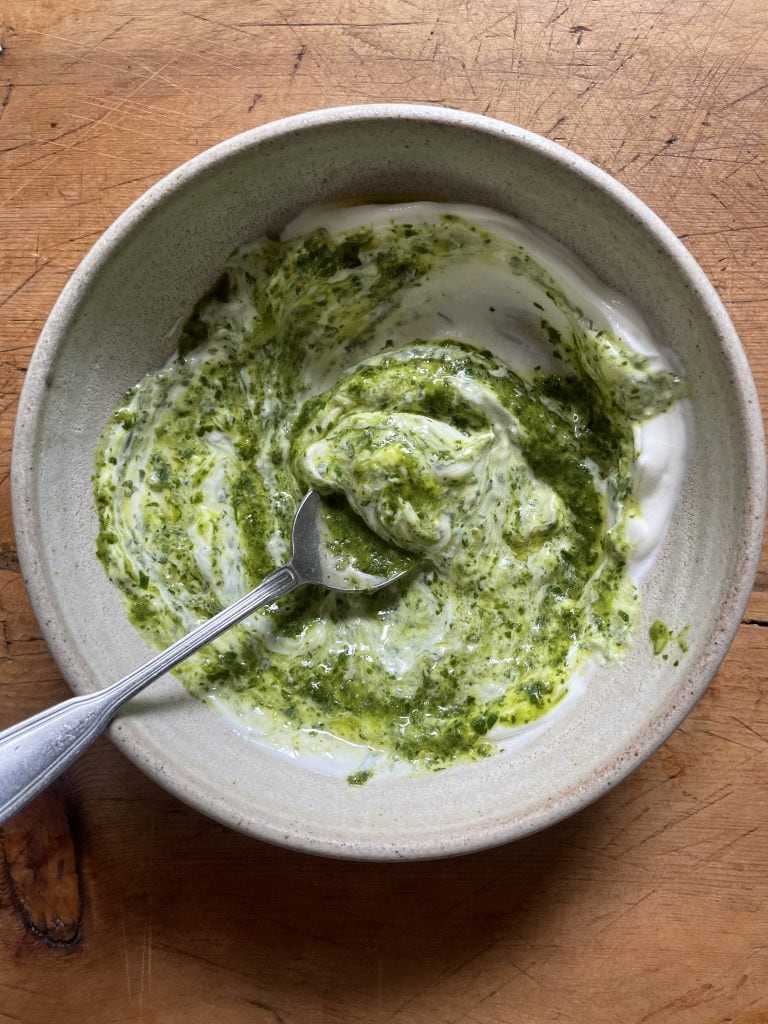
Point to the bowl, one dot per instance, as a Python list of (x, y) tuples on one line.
[(114, 322)]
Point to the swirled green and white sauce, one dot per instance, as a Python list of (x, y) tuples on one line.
[(460, 387)]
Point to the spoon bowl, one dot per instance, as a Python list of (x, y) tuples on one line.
[(316, 561)]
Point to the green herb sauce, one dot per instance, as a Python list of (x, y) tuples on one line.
[(511, 493), (660, 634)]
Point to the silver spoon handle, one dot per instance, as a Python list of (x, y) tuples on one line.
[(35, 751)]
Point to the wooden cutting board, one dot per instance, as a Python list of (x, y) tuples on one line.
[(119, 904)]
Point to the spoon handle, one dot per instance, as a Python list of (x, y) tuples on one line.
[(35, 751)]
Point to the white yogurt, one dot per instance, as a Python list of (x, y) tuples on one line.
[(490, 308)]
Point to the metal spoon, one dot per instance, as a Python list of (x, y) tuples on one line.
[(35, 751)]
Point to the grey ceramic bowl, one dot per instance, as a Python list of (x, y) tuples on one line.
[(111, 325)]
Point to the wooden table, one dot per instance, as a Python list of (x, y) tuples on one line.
[(119, 904)]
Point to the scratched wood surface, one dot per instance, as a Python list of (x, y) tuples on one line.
[(119, 904)]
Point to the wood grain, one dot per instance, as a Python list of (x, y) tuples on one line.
[(42, 873), (120, 904)]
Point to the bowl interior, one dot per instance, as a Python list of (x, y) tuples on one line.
[(114, 323)]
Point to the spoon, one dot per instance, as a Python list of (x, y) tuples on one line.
[(35, 751)]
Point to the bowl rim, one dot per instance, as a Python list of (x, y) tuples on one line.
[(656, 732)]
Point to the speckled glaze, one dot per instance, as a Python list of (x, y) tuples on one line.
[(114, 322)]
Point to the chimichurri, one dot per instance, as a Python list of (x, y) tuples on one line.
[(510, 488)]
